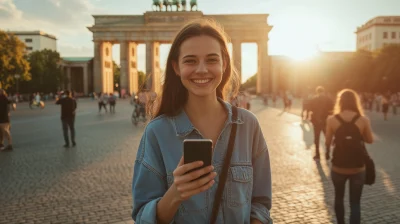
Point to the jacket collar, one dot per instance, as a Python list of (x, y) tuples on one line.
[(183, 126)]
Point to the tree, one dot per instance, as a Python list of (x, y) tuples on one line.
[(250, 82), (387, 69), (12, 60), (45, 71), (141, 80)]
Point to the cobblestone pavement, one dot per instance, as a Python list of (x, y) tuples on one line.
[(41, 182)]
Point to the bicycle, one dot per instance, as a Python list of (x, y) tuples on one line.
[(138, 114), (33, 105)]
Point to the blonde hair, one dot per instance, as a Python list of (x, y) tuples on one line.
[(348, 99)]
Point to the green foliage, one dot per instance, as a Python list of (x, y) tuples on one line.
[(250, 82), (46, 72), (141, 79), (12, 60)]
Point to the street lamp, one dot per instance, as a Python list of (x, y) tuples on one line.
[(17, 76)]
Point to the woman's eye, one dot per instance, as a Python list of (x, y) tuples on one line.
[(213, 60), (189, 61)]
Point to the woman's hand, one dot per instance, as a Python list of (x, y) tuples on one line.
[(185, 184)]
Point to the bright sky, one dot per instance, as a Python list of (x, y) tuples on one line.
[(300, 26)]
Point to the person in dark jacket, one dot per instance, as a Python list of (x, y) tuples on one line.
[(321, 107), (5, 120), (68, 108)]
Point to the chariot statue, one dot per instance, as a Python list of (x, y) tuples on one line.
[(177, 4), (158, 5), (193, 3), (168, 3)]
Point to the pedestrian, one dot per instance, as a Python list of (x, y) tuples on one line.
[(102, 101), (350, 129), (5, 120), (321, 107), (197, 80), (68, 110), (385, 106), (112, 100), (394, 100)]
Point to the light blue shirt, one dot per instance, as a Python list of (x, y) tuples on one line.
[(247, 192)]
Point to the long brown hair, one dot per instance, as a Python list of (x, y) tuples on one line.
[(174, 95), (348, 99)]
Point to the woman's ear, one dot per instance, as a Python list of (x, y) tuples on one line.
[(176, 67)]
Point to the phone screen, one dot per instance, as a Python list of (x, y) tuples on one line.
[(197, 150)]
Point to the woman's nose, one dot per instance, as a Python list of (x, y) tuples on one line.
[(202, 68)]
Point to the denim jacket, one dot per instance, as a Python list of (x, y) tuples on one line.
[(247, 192)]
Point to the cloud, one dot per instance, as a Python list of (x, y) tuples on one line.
[(66, 19), (8, 10)]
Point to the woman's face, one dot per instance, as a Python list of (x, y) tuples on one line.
[(200, 65)]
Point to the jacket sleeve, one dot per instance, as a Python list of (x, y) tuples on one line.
[(149, 179), (262, 187)]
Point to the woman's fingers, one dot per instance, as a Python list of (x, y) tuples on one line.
[(203, 188), (181, 170), (187, 177), (197, 183)]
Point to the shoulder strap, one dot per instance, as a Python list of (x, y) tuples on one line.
[(340, 119), (355, 118), (225, 168)]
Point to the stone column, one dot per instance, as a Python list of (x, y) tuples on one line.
[(128, 58), (108, 72), (263, 67), (237, 57), (85, 80), (98, 67), (69, 78), (153, 66), (133, 72)]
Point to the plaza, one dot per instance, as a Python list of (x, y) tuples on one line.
[(41, 182)]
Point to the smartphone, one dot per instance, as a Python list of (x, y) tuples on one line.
[(197, 150)]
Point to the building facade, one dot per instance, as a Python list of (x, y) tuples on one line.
[(36, 40), (378, 32)]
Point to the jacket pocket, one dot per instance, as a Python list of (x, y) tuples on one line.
[(240, 185)]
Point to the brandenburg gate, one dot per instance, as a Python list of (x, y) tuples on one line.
[(159, 27)]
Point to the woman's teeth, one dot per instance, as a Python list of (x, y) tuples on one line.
[(201, 81)]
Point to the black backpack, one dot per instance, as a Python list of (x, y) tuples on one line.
[(349, 150)]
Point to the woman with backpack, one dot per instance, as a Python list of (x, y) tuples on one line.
[(349, 129)]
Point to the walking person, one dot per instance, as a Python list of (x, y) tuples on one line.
[(321, 107), (349, 129), (68, 109), (112, 100), (192, 106), (102, 101), (385, 106), (5, 104)]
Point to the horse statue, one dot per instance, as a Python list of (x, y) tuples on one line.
[(167, 3), (158, 4), (177, 4), (192, 4), (184, 5)]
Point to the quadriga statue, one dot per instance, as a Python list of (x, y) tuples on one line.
[(167, 3), (177, 4), (193, 3), (158, 4)]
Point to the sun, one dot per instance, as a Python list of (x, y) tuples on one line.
[(303, 53)]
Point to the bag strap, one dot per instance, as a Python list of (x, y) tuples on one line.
[(224, 173), (355, 118), (340, 119)]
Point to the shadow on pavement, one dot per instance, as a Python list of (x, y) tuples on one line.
[(308, 135)]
